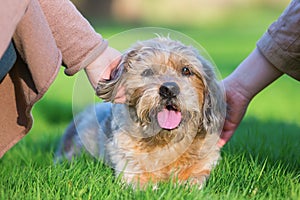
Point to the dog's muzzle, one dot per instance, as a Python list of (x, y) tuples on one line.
[(169, 117)]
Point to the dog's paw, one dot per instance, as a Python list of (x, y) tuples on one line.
[(199, 182), (194, 182)]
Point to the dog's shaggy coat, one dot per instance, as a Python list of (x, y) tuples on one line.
[(169, 126)]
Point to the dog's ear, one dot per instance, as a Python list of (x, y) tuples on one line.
[(107, 89), (214, 107), (213, 112)]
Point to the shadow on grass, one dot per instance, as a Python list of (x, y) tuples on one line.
[(277, 142)]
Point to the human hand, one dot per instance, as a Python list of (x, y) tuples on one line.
[(248, 79), (101, 69), (237, 104)]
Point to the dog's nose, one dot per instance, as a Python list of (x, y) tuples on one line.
[(169, 90)]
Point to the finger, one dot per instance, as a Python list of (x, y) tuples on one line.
[(120, 100), (108, 70), (120, 96), (225, 137), (221, 143), (227, 132)]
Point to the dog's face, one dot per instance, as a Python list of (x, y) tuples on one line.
[(170, 87)]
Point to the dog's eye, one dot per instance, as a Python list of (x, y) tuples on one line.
[(147, 72), (186, 71)]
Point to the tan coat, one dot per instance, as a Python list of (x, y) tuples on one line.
[(45, 33)]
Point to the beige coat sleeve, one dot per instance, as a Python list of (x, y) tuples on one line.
[(10, 15), (74, 36), (281, 43)]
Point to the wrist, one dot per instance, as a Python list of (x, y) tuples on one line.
[(93, 61), (253, 75)]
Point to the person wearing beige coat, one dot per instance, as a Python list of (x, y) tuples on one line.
[(36, 38)]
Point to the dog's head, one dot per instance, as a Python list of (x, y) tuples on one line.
[(169, 85)]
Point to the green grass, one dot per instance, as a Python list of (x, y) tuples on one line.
[(262, 161)]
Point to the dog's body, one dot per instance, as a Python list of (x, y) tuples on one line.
[(169, 127)]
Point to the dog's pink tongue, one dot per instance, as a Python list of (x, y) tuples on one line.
[(168, 119)]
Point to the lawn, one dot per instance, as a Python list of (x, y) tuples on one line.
[(262, 161)]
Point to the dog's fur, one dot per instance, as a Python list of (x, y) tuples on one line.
[(130, 138)]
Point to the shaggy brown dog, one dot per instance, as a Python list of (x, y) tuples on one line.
[(169, 127)]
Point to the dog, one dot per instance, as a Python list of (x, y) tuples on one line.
[(168, 128)]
